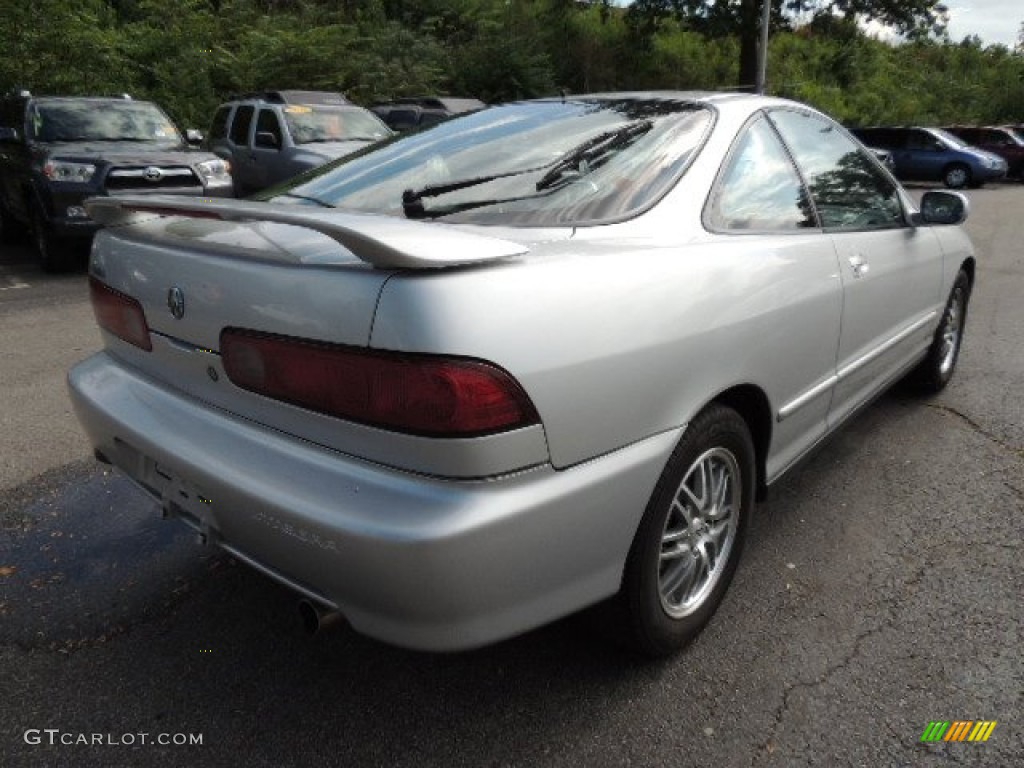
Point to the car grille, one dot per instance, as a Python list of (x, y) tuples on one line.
[(152, 177)]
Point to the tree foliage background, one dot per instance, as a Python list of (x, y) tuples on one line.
[(190, 54)]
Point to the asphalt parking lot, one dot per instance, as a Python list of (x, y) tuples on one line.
[(880, 591)]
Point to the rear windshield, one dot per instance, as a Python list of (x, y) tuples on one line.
[(308, 124), (528, 164), (101, 121)]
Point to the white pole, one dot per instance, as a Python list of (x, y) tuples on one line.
[(762, 53)]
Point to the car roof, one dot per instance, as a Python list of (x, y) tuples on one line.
[(94, 99), (315, 98), (453, 104)]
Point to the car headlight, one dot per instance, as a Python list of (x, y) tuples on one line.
[(62, 170), (215, 170)]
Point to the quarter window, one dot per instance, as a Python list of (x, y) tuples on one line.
[(849, 190), (759, 189)]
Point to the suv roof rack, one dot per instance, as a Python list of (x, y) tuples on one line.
[(326, 98)]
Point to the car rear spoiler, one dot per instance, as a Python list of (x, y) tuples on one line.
[(382, 241)]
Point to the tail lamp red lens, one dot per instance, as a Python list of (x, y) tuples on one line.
[(119, 314), (417, 394)]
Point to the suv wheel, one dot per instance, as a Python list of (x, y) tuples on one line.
[(53, 254), (957, 176)]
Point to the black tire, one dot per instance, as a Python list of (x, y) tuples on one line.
[(53, 253), (934, 372), (956, 176), (679, 543)]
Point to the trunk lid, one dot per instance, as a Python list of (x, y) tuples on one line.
[(309, 274)]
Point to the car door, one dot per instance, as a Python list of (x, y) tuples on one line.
[(761, 204), (924, 156), (891, 272), (268, 150), (217, 139)]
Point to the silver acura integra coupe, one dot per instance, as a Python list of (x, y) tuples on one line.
[(477, 378)]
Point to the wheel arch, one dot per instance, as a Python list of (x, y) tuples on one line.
[(753, 406), (957, 164), (968, 267)]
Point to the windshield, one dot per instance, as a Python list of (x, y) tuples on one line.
[(527, 164), (87, 120), (310, 124)]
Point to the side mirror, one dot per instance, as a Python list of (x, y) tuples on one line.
[(193, 137), (9, 135), (940, 207), (267, 139)]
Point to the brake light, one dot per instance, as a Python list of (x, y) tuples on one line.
[(119, 313), (417, 394)]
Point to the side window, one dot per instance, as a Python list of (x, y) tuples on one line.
[(923, 140), (895, 139), (849, 190), (401, 119), (970, 135), (759, 189), (240, 128), (267, 122), (432, 118), (219, 128), (870, 137)]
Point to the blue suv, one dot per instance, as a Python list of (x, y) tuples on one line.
[(931, 154)]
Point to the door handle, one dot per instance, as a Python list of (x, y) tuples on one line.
[(859, 264)]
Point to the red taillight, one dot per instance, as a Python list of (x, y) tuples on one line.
[(120, 314), (417, 394)]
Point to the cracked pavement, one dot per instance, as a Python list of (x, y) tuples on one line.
[(880, 590)]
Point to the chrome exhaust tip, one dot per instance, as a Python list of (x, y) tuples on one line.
[(316, 618)]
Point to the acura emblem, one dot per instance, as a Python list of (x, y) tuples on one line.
[(152, 174), (176, 302)]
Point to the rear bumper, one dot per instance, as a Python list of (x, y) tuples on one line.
[(416, 561)]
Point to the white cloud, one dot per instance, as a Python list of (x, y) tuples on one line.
[(994, 21)]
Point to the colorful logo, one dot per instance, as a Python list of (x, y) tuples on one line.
[(958, 730)]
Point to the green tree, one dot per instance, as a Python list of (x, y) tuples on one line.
[(742, 18)]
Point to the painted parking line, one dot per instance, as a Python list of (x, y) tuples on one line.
[(11, 282)]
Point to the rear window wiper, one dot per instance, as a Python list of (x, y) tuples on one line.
[(593, 152), (412, 199)]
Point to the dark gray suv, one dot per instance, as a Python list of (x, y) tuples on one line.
[(57, 151), (272, 136), (408, 113)]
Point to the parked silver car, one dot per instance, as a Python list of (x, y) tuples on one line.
[(536, 357)]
